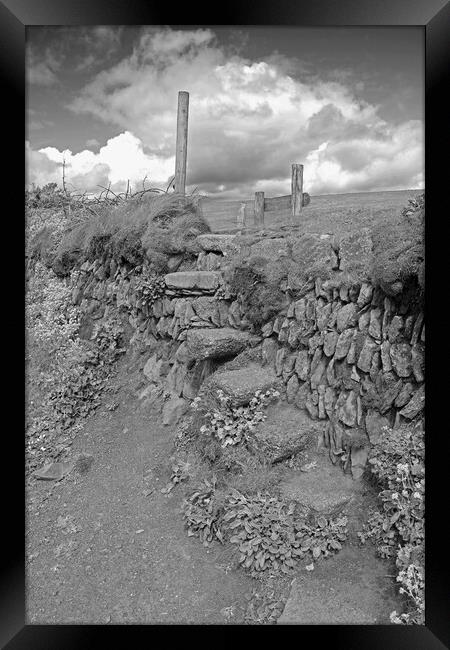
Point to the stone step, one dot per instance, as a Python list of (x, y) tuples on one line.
[(193, 280), (325, 488), (349, 588), (218, 243), (223, 342), (286, 431), (241, 384)]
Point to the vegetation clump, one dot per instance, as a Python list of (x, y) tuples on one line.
[(148, 289), (399, 248), (260, 296), (201, 511), (238, 505), (145, 226), (47, 220), (65, 374), (152, 228), (397, 463), (267, 532), (232, 425)]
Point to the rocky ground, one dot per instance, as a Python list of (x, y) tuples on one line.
[(107, 544)]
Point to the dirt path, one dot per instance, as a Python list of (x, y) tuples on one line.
[(99, 550), (105, 545)]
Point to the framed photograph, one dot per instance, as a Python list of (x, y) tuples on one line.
[(225, 308)]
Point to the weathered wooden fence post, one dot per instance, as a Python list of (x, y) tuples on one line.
[(259, 209), (181, 145), (296, 191), (241, 217)]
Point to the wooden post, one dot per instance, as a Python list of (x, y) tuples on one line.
[(240, 217), (296, 191), (181, 145), (259, 209)]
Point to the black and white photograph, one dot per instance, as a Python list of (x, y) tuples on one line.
[(225, 325)]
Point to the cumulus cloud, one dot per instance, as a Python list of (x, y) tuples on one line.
[(390, 160), (121, 159), (39, 169), (249, 120)]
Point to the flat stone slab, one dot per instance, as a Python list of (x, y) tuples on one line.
[(325, 489), (349, 588), (211, 242), (270, 248), (204, 343), (286, 431), (54, 471), (193, 280), (242, 384)]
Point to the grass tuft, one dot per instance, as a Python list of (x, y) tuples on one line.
[(257, 290), (150, 227), (399, 250)]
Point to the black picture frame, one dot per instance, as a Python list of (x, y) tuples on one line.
[(434, 17)]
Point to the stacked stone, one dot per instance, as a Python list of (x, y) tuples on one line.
[(347, 354), (210, 261), (93, 286), (188, 302)]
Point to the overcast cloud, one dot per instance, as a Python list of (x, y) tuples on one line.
[(249, 120)]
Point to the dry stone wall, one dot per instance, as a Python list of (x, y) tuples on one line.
[(347, 354)]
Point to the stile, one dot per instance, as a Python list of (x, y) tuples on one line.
[(286, 207)]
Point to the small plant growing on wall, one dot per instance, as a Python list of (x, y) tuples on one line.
[(149, 288), (232, 425)]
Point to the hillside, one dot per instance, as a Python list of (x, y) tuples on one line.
[(330, 212), (272, 380)]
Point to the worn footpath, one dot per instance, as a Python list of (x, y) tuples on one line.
[(106, 545)]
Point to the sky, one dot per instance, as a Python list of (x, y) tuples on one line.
[(347, 103)]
